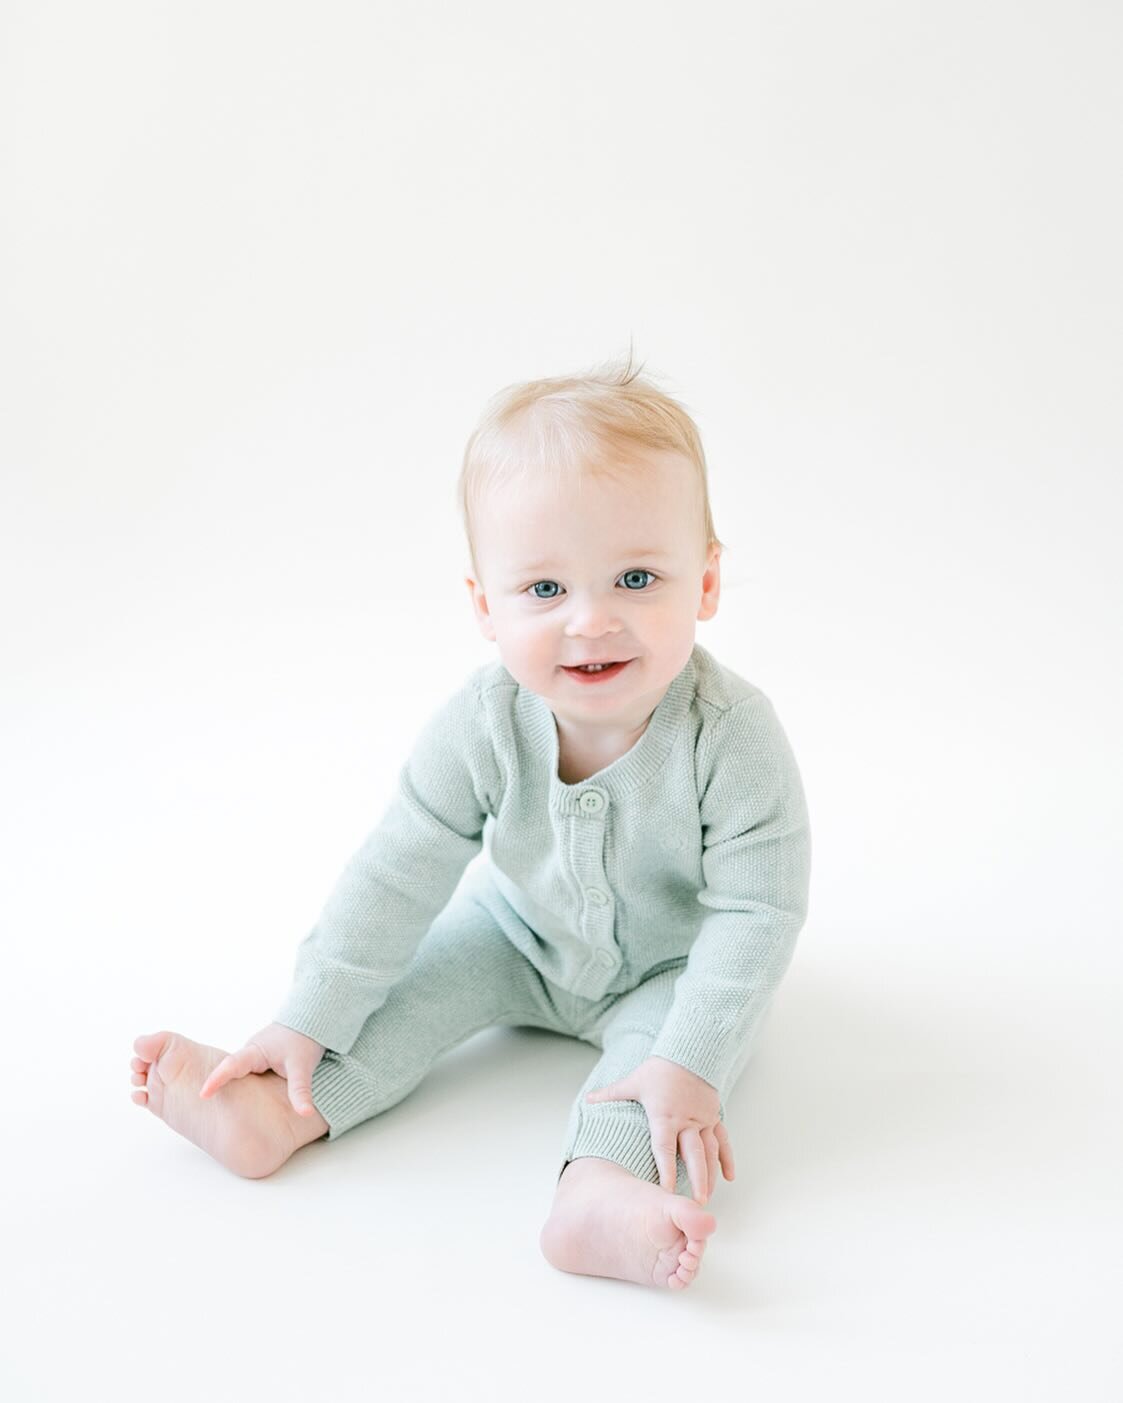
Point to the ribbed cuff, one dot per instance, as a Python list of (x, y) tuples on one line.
[(618, 1131), (342, 1096), (706, 1049), (331, 1013)]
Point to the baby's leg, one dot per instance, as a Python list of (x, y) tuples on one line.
[(465, 975), (610, 1217)]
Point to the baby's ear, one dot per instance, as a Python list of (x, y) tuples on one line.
[(711, 584), (479, 607)]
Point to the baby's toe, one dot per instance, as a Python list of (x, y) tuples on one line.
[(148, 1045), (140, 1079)]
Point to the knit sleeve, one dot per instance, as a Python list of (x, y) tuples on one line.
[(756, 860), (399, 880)]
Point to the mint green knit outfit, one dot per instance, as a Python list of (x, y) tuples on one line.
[(650, 910)]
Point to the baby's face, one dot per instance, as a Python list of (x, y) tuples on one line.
[(604, 570)]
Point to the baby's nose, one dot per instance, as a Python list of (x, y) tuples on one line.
[(592, 619)]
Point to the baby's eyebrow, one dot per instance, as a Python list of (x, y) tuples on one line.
[(629, 555)]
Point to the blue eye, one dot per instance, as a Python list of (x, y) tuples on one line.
[(628, 574)]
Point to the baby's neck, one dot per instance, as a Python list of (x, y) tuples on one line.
[(583, 752)]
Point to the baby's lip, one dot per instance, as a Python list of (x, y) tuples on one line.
[(592, 662)]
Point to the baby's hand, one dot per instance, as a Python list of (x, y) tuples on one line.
[(276, 1048), (682, 1109)]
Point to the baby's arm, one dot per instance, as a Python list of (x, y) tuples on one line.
[(756, 859), (398, 881)]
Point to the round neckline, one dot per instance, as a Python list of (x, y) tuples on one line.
[(628, 771)]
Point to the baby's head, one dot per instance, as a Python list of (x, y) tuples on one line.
[(590, 538)]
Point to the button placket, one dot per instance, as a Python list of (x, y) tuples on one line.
[(592, 802)]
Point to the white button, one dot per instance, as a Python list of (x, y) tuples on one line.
[(596, 896), (592, 801), (604, 958)]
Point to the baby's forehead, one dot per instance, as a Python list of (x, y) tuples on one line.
[(635, 488), (614, 547), (630, 511)]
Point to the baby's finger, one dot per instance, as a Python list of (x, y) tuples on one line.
[(234, 1064), (694, 1156), (709, 1141), (300, 1091), (725, 1149), (219, 1076), (665, 1149)]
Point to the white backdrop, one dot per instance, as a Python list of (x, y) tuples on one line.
[(262, 266)]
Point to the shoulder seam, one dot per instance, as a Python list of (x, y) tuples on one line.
[(715, 682), (723, 709), (721, 714), (496, 682)]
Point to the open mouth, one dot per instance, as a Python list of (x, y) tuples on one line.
[(599, 673)]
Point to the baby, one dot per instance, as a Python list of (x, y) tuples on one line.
[(646, 838)]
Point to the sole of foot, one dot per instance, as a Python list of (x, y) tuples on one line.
[(247, 1125), (606, 1222)]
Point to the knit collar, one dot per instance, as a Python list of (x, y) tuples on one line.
[(630, 770)]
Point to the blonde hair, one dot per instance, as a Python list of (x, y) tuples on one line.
[(573, 425)]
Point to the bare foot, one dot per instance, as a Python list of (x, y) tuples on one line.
[(606, 1222), (249, 1125)]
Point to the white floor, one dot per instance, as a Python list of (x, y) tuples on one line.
[(927, 1206)]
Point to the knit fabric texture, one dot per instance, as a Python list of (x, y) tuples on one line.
[(693, 845)]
